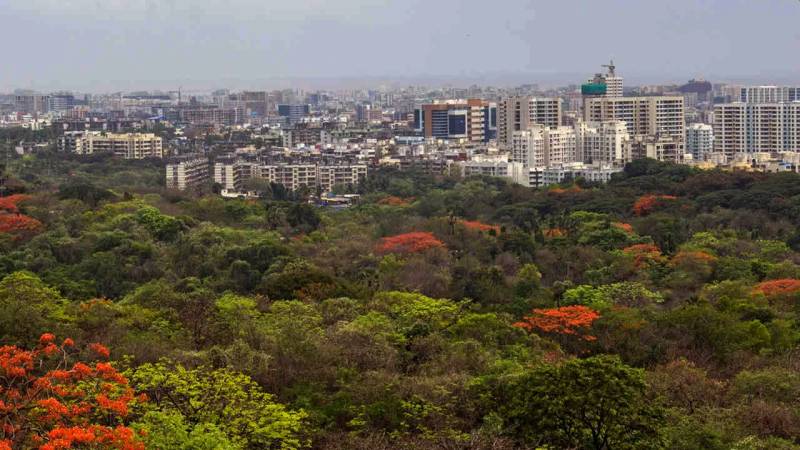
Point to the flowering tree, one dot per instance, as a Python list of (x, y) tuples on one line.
[(50, 403), (480, 226), (645, 204), (11, 221), (626, 227), (414, 242), (567, 320), (778, 287), (643, 253), (10, 203)]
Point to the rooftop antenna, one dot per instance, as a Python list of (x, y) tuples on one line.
[(611, 68)]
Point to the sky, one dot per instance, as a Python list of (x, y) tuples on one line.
[(98, 45)]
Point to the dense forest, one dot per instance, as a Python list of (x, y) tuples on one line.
[(658, 311)]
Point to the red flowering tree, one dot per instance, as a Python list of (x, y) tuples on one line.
[(778, 287), (567, 320), (414, 242), (645, 204), (10, 203), (12, 222), (51, 403), (480, 226), (393, 201)]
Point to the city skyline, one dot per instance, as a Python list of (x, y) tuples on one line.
[(105, 46)]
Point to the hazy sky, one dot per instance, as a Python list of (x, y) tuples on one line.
[(100, 44)]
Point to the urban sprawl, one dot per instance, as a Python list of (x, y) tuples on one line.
[(324, 143)]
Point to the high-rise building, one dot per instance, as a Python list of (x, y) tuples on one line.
[(294, 113), (644, 116), (756, 127), (769, 94), (604, 85), (32, 103), (699, 140), (543, 146), (454, 120), (187, 172), (520, 113), (61, 102), (602, 142)]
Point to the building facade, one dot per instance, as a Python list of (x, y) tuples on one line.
[(123, 145), (188, 172), (468, 120), (756, 127), (521, 113), (699, 140), (644, 116)]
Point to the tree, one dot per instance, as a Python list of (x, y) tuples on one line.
[(414, 242), (49, 402), (595, 403), (27, 306), (567, 320), (220, 399)]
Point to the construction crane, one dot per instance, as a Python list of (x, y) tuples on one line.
[(611, 68)]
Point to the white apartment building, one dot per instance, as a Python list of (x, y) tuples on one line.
[(602, 142), (498, 166), (699, 140), (231, 173), (545, 176), (596, 142), (124, 145), (644, 116), (188, 172), (769, 94), (520, 113), (756, 127)]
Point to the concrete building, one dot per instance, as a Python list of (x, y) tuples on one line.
[(329, 176), (187, 172), (659, 147), (756, 127), (644, 116), (231, 173), (545, 176), (520, 113), (123, 145), (494, 167), (769, 94), (543, 146), (604, 85), (31, 103), (294, 113), (468, 120), (699, 140), (602, 142), (291, 176)]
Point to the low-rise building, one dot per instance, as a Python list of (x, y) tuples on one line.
[(187, 172), (124, 145)]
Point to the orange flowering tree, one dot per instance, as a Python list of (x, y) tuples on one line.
[(554, 232), (49, 402), (393, 201), (413, 242), (567, 320), (626, 227), (480, 226), (643, 253), (645, 204), (778, 287)]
